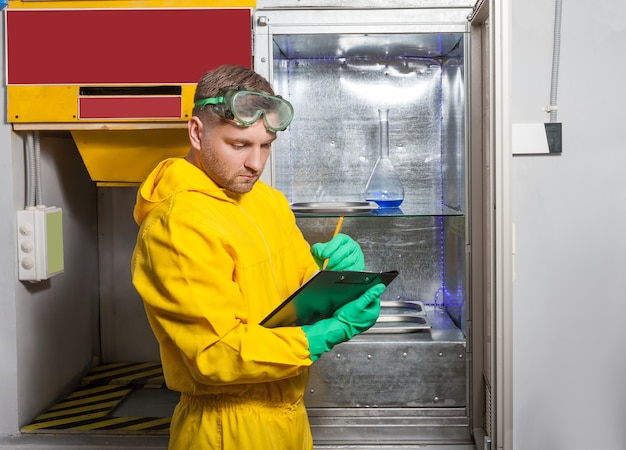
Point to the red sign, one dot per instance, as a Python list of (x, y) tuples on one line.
[(124, 46)]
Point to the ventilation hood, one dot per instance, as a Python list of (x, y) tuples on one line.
[(126, 157), (126, 96)]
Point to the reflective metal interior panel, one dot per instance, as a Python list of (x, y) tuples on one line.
[(453, 140), (420, 369), (331, 147), (453, 293), (412, 246), (358, 45), (392, 373)]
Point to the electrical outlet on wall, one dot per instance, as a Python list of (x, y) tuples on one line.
[(39, 243)]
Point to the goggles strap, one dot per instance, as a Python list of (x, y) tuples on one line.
[(210, 101)]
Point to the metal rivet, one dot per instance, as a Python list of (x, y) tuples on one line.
[(369, 356), (338, 355), (440, 354), (405, 354)]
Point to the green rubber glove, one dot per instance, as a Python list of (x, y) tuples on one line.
[(351, 319), (342, 252)]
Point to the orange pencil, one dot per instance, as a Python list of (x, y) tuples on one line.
[(337, 229)]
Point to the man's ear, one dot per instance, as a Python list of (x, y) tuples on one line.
[(195, 128)]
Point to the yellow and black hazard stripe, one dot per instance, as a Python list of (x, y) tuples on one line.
[(144, 374), (101, 391)]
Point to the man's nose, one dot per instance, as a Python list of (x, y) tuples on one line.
[(256, 158)]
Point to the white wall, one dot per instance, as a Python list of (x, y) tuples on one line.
[(48, 330), (569, 350), (125, 333), (57, 319)]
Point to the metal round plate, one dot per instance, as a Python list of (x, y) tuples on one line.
[(333, 207)]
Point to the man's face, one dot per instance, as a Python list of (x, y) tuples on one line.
[(234, 157)]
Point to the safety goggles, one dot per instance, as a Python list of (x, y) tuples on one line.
[(244, 108)]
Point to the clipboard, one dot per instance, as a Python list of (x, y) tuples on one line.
[(322, 295)]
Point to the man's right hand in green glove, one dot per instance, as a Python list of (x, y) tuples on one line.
[(351, 319), (342, 252)]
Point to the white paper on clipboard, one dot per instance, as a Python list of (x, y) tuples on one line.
[(322, 295)]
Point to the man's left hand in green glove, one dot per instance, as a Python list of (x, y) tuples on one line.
[(342, 252)]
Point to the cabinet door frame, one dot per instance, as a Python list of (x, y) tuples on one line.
[(493, 250)]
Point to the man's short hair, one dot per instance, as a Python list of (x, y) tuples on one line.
[(228, 75)]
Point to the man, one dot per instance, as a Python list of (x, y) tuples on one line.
[(217, 250)]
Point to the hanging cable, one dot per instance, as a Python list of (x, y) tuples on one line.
[(556, 55), (30, 172), (38, 187), (34, 192)]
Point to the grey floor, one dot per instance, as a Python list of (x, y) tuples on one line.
[(36, 442), (153, 402)]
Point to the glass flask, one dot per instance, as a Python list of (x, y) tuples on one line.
[(384, 187)]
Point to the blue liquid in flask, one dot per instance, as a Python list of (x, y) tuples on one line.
[(384, 186)]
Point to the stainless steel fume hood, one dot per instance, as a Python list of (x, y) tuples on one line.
[(338, 63)]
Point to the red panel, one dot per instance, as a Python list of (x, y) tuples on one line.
[(129, 108), (124, 46)]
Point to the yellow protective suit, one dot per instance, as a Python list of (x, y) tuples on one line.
[(209, 267)]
